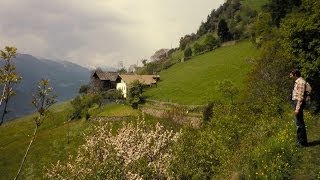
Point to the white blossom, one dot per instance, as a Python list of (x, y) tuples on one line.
[(133, 142)]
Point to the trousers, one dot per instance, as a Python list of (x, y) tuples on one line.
[(301, 127)]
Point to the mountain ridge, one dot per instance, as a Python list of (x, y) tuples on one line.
[(65, 77)]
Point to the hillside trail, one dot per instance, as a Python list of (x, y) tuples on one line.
[(309, 167)]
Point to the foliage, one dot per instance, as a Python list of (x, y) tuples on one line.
[(300, 39), (81, 105), (135, 152), (41, 100), (113, 94), (198, 48), (122, 71), (199, 153), (223, 30), (261, 29), (236, 140), (228, 89), (187, 39), (211, 42), (207, 113), (238, 14), (188, 52), (84, 89), (134, 97), (280, 8), (8, 77)]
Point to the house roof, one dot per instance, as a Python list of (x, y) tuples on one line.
[(143, 79), (112, 76)]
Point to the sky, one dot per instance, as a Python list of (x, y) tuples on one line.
[(99, 33)]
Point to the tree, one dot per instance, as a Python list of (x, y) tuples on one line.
[(187, 39), (82, 104), (8, 77), (280, 8), (207, 113), (84, 89), (122, 71), (261, 29), (187, 52), (197, 48), (223, 30), (144, 62), (300, 39), (113, 94), (211, 42), (135, 94), (202, 29), (41, 100)]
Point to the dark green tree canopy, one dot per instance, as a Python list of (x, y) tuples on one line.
[(187, 52), (223, 30), (279, 9)]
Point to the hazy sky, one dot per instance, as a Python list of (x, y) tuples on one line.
[(96, 33)]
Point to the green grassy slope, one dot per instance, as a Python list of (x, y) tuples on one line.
[(50, 144), (194, 81), (309, 165), (51, 140)]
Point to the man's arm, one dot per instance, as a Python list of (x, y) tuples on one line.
[(300, 93)]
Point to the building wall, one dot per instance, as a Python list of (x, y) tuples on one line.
[(123, 87)]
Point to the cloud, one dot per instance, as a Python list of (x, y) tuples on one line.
[(99, 32)]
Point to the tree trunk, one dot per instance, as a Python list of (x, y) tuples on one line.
[(4, 111), (25, 155), (4, 88)]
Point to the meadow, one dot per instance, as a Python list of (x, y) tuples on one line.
[(51, 143), (194, 82)]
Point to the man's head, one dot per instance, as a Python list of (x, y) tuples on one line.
[(295, 74)]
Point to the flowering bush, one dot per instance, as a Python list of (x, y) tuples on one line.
[(135, 152)]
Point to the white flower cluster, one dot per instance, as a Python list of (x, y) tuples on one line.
[(120, 156)]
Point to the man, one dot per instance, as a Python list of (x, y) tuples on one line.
[(299, 104)]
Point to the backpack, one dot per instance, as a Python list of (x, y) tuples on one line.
[(307, 93)]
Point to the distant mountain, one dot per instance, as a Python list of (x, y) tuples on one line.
[(65, 78)]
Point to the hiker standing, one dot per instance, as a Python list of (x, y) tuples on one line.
[(299, 103)]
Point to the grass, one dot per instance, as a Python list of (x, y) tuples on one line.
[(309, 165), (51, 144), (194, 81), (118, 110)]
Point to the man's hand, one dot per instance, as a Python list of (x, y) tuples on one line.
[(296, 112)]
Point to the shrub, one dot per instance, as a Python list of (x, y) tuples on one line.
[(211, 42), (273, 158), (135, 152), (187, 52), (84, 89), (81, 105), (208, 112), (113, 94), (135, 94)]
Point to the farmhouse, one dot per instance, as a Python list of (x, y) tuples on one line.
[(127, 79), (104, 81)]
